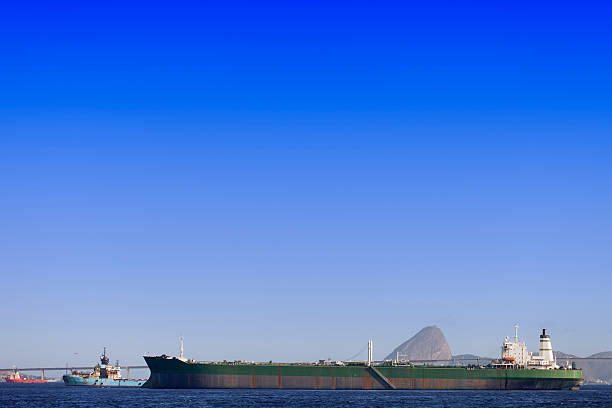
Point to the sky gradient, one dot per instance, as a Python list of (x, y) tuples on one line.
[(285, 182)]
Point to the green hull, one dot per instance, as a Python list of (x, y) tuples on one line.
[(174, 373)]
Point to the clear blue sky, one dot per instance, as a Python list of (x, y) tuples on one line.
[(285, 181)]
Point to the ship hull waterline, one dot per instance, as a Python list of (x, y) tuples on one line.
[(174, 373)]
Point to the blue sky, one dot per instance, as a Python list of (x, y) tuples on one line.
[(285, 181)]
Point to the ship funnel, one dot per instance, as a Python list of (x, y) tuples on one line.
[(545, 350)]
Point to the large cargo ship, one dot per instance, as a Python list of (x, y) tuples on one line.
[(103, 375), (517, 369)]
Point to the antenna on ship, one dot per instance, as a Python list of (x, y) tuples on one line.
[(181, 349), (516, 326), (103, 359)]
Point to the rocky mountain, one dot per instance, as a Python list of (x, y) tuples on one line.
[(428, 344)]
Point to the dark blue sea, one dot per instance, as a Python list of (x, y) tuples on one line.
[(59, 395)]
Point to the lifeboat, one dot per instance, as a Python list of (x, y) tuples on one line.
[(508, 358)]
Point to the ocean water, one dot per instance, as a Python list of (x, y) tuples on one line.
[(59, 395)]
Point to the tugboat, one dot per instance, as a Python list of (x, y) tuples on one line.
[(16, 378), (103, 375)]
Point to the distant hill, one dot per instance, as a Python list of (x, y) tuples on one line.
[(466, 356), (480, 359), (428, 344), (561, 355), (603, 354)]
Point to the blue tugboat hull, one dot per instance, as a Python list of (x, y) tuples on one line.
[(101, 382)]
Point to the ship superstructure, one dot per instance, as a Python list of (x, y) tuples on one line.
[(516, 355)]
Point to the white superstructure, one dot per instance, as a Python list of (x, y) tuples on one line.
[(515, 354)]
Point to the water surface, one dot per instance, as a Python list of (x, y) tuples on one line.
[(59, 395)]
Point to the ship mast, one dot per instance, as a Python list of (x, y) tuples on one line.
[(103, 359), (181, 349), (516, 326)]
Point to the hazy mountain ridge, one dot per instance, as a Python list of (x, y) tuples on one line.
[(473, 357), (561, 355)]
